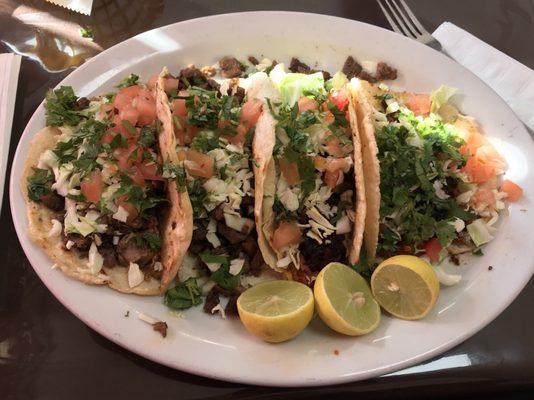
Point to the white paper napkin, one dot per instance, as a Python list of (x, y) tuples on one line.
[(513, 81), (9, 77)]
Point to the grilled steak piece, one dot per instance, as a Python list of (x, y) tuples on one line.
[(53, 201)]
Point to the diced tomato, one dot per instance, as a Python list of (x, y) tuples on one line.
[(122, 100), (170, 84), (146, 109), (287, 234), (289, 171), (432, 249), (92, 186), (478, 171), (319, 163), (307, 104), (150, 171), (484, 196), (107, 137), (190, 132), (239, 137), (200, 165), (126, 157), (334, 147), (137, 176), (513, 190), (250, 112), (418, 103), (333, 178), (152, 81), (340, 99), (130, 91), (337, 164), (129, 113), (179, 108), (129, 207)]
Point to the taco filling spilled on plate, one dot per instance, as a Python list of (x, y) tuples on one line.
[(440, 180), (96, 191)]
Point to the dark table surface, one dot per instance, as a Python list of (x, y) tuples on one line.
[(47, 353)]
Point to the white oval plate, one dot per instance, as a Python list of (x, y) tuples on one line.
[(221, 349)]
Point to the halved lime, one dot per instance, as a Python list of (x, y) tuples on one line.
[(344, 301), (405, 286), (276, 311)]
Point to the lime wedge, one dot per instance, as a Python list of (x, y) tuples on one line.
[(405, 286), (276, 311), (344, 301)]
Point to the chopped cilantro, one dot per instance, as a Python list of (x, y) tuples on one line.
[(130, 80), (89, 132), (411, 212), (39, 184), (224, 278), (177, 173), (150, 239), (384, 97), (184, 295), (213, 258), (87, 33), (197, 195), (60, 105), (147, 136), (205, 142), (142, 198), (478, 252)]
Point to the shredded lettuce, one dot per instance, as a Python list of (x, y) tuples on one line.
[(293, 86), (440, 97), (337, 81), (479, 232)]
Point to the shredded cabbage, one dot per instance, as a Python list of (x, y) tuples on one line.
[(441, 96), (479, 232), (293, 86)]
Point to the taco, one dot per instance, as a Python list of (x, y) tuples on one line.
[(310, 196), (92, 183), (211, 127), (433, 181)]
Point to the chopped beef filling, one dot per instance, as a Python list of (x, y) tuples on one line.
[(161, 327), (230, 234), (53, 201), (82, 103), (317, 255), (212, 299), (351, 68), (81, 243), (298, 66), (129, 250), (110, 256), (253, 60), (230, 67), (192, 76), (385, 72), (231, 306)]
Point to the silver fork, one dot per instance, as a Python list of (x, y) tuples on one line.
[(403, 21)]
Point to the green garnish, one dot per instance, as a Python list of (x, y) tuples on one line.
[(413, 213), (39, 184), (213, 258), (60, 107), (130, 80), (149, 239), (197, 195), (87, 33), (281, 213), (177, 173), (184, 295)]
